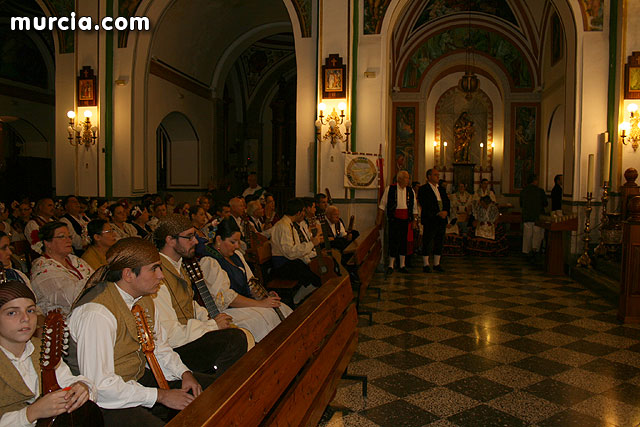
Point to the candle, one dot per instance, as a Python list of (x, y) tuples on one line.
[(591, 178), (481, 155), (607, 162), (435, 153), (444, 157)]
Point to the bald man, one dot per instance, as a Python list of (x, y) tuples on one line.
[(399, 204)]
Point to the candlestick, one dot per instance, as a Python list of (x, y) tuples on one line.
[(444, 157), (591, 176), (435, 153), (601, 249), (607, 162), (584, 260), (481, 156)]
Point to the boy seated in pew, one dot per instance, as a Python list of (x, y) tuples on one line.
[(20, 382)]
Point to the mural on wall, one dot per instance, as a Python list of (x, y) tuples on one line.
[(404, 137), (592, 14), (303, 10), (63, 8), (126, 9), (21, 59), (434, 9), (524, 157), (257, 61), (456, 39), (374, 11)]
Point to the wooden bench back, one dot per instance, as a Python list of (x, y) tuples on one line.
[(291, 375)]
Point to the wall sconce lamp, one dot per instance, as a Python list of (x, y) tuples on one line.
[(334, 121), (83, 134), (631, 129)]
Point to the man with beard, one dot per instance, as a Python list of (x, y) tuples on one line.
[(204, 344)]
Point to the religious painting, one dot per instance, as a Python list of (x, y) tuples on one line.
[(374, 11), (557, 39), (404, 137), (87, 96), (524, 142), (333, 78), (632, 77), (592, 14)]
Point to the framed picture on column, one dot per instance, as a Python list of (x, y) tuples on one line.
[(334, 78), (87, 89)]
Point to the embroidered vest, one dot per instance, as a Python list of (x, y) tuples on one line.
[(180, 290), (392, 201), (14, 393), (128, 358)]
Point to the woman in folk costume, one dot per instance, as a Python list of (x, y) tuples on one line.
[(228, 277)]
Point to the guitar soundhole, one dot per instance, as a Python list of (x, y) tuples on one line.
[(323, 270)]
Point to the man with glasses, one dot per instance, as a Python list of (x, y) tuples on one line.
[(204, 344)]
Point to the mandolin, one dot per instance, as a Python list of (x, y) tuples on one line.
[(323, 265), (54, 344), (197, 278), (259, 293), (147, 343)]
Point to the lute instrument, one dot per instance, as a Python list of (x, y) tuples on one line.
[(148, 345), (55, 340), (259, 293)]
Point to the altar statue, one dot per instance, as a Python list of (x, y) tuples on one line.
[(463, 134)]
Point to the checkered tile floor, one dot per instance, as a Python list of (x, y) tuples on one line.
[(491, 342)]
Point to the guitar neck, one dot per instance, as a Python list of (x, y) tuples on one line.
[(156, 370), (261, 293), (49, 381), (209, 303)]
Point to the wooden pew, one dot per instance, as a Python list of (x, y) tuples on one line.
[(366, 252), (260, 259), (290, 376)]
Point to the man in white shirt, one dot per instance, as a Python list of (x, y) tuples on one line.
[(44, 213), (399, 204), (340, 237), (77, 224), (292, 249), (105, 345), (435, 207), (205, 343), (254, 188)]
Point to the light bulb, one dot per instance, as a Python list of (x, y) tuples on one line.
[(318, 124), (493, 145), (632, 108), (332, 124), (342, 106), (481, 145), (445, 143), (435, 143), (71, 114), (87, 113), (322, 106), (347, 125), (625, 127)]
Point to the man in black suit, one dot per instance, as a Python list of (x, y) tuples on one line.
[(435, 206)]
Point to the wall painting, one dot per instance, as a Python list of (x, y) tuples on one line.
[(374, 11), (404, 148), (525, 131)]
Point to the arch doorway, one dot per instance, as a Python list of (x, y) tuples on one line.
[(178, 148)]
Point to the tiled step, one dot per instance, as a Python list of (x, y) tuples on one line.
[(604, 284)]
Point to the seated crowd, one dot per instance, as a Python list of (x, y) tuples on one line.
[(160, 298)]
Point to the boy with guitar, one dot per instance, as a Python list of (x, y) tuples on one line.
[(115, 331), (20, 382)]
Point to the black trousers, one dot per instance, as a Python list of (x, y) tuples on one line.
[(433, 237), (398, 230), (155, 416), (294, 270), (214, 352)]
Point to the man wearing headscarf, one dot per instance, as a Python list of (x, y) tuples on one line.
[(105, 347), (204, 344)]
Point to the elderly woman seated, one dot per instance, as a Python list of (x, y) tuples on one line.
[(58, 276), (230, 282), (486, 237)]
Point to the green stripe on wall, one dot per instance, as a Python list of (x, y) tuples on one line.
[(108, 110)]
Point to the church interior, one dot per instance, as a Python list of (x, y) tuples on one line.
[(337, 97)]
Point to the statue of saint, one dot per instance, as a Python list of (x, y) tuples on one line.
[(463, 134)]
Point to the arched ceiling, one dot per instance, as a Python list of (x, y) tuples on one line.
[(193, 35)]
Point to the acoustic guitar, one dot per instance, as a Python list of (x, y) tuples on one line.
[(55, 340), (197, 278), (324, 265), (148, 345)]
